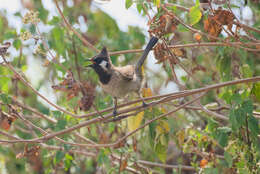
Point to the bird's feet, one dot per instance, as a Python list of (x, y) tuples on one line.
[(145, 104), (114, 112)]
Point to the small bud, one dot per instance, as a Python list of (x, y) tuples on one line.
[(39, 50), (25, 35), (31, 17)]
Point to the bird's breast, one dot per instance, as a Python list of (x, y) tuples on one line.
[(120, 87)]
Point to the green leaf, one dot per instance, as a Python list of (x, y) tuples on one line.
[(68, 161), (240, 116), (233, 120), (236, 98), (61, 124), (247, 106), (228, 159), (253, 126), (5, 99), (161, 151), (67, 147), (54, 21), (182, 28), (222, 139), (57, 114), (247, 71), (58, 36), (195, 14), (174, 8), (17, 43), (128, 3), (102, 157), (10, 34), (256, 91), (139, 7), (224, 64), (59, 156), (24, 68), (152, 133), (222, 135), (18, 14), (211, 171), (4, 83)]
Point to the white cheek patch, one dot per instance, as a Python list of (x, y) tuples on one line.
[(103, 64)]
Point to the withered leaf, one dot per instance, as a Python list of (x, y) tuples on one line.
[(6, 121), (87, 100), (123, 165), (163, 24), (69, 85), (213, 25)]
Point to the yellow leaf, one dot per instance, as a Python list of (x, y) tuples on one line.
[(142, 68), (135, 121), (163, 110), (147, 92), (158, 3), (178, 52), (181, 137), (162, 127)]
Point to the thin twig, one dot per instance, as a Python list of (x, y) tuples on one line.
[(167, 166), (196, 45), (69, 27)]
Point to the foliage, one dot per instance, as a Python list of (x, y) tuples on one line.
[(55, 119)]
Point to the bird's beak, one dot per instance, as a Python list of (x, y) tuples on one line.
[(90, 65)]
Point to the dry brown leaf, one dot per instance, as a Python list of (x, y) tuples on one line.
[(162, 25), (212, 27), (68, 85), (123, 165), (6, 121)]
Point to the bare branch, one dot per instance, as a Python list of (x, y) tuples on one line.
[(69, 27)]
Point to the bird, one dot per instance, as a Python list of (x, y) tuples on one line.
[(120, 81)]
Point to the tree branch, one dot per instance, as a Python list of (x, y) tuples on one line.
[(69, 27)]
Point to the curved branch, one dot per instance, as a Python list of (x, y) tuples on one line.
[(85, 42)]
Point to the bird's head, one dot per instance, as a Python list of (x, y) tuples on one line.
[(101, 63)]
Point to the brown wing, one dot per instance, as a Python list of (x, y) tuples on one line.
[(126, 71)]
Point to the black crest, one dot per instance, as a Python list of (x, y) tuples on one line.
[(103, 53)]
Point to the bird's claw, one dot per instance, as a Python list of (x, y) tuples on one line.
[(145, 104), (114, 112)]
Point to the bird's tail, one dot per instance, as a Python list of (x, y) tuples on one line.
[(149, 46)]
